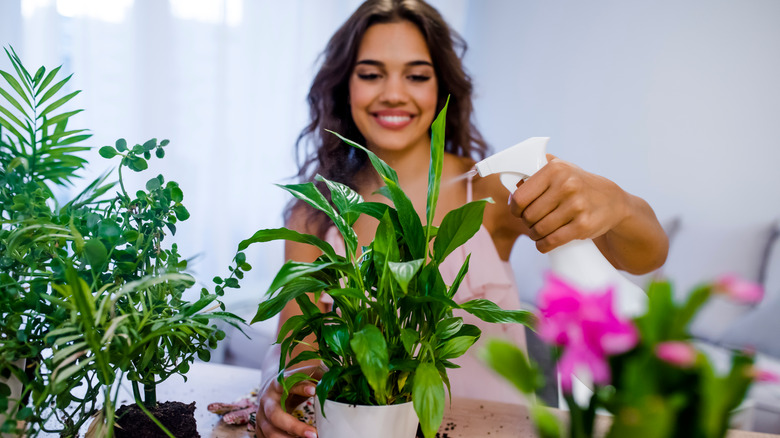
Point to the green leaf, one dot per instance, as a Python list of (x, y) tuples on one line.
[(511, 363), (403, 272), (428, 398), (153, 184), (546, 422), (289, 382), (459, 278), (336, 337), (150, 144), (308, 193), (381, 167), (58, 103), (13, 102), (457, 227), (385, 248), (409, 338), (176, 193), (53, 90), (293, 236), (15, 85), (47, 80), (413, 232), (371, 353), (138, 164), (107, 152), (455, 347), (696, 300), (436, 165), (109, 231), (488, 311), (344, 198), (95, 252), (160, 152), (327, 382), (181, 212), (295, 288), (448, 327), (13, 130), (121, 145), (12, 117)]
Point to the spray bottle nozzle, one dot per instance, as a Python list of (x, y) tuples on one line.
[(516, 163)]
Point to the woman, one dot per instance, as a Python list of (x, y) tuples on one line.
[(386, 73)]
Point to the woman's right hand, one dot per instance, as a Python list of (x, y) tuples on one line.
[(274, 422)]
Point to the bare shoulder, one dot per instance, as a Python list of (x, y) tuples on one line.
[(300, 221)]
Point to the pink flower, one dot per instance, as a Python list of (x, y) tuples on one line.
[(586, 326), (765, 376), (678, 353), (739, 289)]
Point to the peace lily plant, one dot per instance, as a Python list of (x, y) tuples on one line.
[(391, 335)]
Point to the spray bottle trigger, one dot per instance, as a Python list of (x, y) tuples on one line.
[(510, 180)]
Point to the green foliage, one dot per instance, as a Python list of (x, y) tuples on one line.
[(647, 397), (391, 333), (90, 293)]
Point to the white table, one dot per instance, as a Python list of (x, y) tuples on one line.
[(208, 383)]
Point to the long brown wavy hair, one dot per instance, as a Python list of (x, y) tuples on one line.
[(328, 98)]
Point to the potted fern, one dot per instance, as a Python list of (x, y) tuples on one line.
[(391, 335), (91, 294)]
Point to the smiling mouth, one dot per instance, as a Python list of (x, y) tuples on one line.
[(393, 121)]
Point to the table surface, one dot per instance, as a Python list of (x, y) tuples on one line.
[(209, 383)]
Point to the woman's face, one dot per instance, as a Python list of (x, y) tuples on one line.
[(393, 88)]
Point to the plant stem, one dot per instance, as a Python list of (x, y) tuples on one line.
[(121, 180), (576, 420), (150, 395)]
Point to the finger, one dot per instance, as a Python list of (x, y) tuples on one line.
[(557, 238), (531, 189), (267, 430), (304, 389), (548, 224), (284, 421)]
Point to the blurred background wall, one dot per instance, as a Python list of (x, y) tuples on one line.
[(678, 102)]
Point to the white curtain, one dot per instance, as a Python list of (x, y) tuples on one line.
[(224, 80)]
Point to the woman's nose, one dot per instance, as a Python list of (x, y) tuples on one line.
[(394, 91)]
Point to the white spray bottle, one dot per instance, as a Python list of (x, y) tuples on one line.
[(579, 262)]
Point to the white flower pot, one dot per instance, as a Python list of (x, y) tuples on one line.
[(356, 421), (16, 393)]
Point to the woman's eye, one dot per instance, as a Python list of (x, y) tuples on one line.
[(368, 76), (419, 78)]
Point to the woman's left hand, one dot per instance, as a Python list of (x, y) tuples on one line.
[(562, 202)]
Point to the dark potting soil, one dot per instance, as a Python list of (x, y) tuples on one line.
[(177, 417)]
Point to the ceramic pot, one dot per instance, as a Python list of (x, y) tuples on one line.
[(356, 421), (16, 392)]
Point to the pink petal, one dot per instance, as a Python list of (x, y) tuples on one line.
[(765, 376), (739, 289), (581, 359), (678, 353), (566, 365)]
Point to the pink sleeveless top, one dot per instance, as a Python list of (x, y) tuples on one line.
[(488, 277)]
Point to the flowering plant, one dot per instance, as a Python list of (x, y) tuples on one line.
[(645, 371)]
